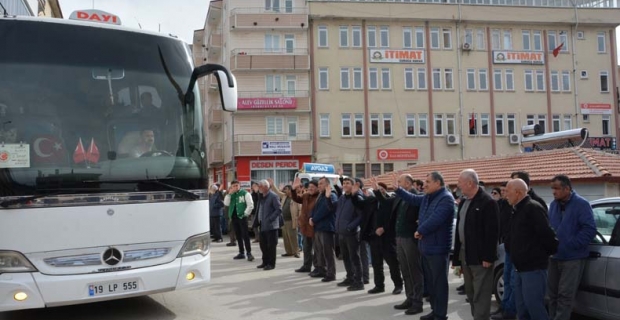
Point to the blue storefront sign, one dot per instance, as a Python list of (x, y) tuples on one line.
[(318, 168)]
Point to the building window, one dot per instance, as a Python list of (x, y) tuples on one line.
[(530, 119), (482, 73), (510, 83), (469, 36), (512, 123), (419, 37), (604, 81), (272, 5), (564, 41), (540, 80), (373, 81), (552, 40), (407, 38), (555, 81), (537, 40), (323, 37), (346, 124), (450, 124), (385, 36), (347, 169), (388, 167), (410, 125), (292, 126), (422, 78), (324, 125), (556, 123), (566, 81), (387, 124), (473, 124), (601, 47), (374, 125), (542, 121), (497, 79), (499, 124), (480, 39), (323, 79), (345, 79), (447, 38), (272, 43), (485, 124), (357, 79), (356, 34), (360, 169), (423, 124), (409, 79), (507, 39), (344, 36), (527, 46), (275, 125), (435, 38), (448, 79), (359, 124), (371, 35), (568, 122), (438, 124), (585, 118), (529, 80), (606, 124), (273, 84), (385, 79), (496, 35), (471, 79), (375, 169), (437, 79)]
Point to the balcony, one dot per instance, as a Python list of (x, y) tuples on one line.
[(261, 18), (214, 15), (294, 100), (212, 83), (215, 117), (214, 45), (216, 154), (270, 59), (251, 144)]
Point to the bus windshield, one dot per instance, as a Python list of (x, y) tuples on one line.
[(81, 105)]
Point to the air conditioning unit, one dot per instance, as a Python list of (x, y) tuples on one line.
[(583, 74), (452, 140), (466, 46), (514, 138)]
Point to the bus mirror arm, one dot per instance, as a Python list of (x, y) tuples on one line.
[(226, 82)]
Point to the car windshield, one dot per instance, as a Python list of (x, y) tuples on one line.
[(80, 104), (606, 217)]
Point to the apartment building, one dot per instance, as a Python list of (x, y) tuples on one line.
[(401, 82), (265, 44)]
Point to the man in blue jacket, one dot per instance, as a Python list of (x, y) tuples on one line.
[(435, 238), (323, 220), (571, 217)]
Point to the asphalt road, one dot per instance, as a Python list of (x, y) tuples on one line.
[(240, 291)]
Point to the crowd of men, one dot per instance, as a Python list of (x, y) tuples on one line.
[(411, 227)]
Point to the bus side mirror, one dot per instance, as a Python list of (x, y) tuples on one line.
[(228, 93)]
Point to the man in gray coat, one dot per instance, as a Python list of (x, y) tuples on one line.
[(268, 220)]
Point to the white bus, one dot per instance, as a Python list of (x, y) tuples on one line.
[(103, 166)]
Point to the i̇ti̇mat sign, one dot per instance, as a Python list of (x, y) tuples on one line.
[(266, 103)]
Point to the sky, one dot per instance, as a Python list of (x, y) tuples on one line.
[(178, 17)]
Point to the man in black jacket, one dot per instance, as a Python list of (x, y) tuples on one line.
[(475, 245), (530, 192), (531, 241)]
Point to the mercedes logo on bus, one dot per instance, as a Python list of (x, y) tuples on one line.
[(112, 256)]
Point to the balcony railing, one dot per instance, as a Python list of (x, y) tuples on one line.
[(251, 144), (270, 59), (263, 18), (273, 137), (269, 52), (263, 10), (216, 153), (270, 94), (215, 116), (516, 3)]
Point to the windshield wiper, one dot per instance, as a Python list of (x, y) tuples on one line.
[(179, 191), (22, 200)]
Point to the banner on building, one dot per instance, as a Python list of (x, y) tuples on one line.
[(595, 108), (518, 57), (266, 103), (276, 147), (600, 143), (396, 56), (274, 164), (397, 154)]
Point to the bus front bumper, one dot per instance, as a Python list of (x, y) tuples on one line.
[(41, 290)]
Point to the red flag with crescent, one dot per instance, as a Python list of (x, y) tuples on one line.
[(48, 149), (79, 155), (92, 155)]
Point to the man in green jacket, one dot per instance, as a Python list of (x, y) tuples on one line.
[(240, 205)]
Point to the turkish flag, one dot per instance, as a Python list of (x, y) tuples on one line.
[(79, 155), (48, 149), (556, 51), (93, 152), (472, 121)]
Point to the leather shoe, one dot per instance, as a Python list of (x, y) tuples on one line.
[(397, 290), (296, 255), (317, 275), (345, 283), (219, 240), (302, 270), (260, 266), (403, 306), (498, 311), (413, 310), (269, 267), (376, 290), (239, 256), (287, 255), (356, 287), (250, 257), (366, 282), (231, 244), (328, 279), (429, 316), (461, 288)]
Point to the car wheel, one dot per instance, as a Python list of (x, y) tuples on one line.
[(499, 285)]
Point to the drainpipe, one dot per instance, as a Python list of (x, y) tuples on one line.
[(313, 114), (575, 94), (232, 138), (366, 112), (460, 77)]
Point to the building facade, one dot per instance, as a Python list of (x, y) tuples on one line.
[(16, 8), (403, 82), (265, 44)]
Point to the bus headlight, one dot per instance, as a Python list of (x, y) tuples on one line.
[(11, 261), (198, 244)]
